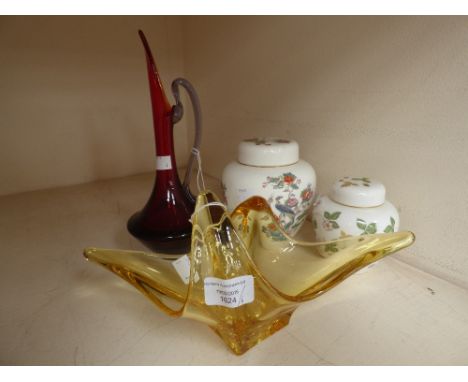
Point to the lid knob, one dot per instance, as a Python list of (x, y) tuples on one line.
[(267, 152), (358, 192)]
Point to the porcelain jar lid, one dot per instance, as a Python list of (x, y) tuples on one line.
[(268, 152), (358, 192)]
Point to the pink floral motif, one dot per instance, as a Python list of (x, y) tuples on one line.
[(330, 220), (292, 201), (327, 226)]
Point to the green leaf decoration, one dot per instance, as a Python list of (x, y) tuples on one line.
[(335, 215), (331, 247), (361, 226), (327, 215), (371, 228), (389, 229), (334, 224), (391, 226)]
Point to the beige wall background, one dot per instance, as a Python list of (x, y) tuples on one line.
[(384, 97), (74, 98)]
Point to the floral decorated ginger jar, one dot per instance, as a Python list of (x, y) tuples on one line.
[(271, 168), (355, 206)]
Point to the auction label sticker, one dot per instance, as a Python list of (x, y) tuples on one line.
[(163, 162), (230, 293)]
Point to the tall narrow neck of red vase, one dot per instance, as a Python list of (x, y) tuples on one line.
[(162, 118)]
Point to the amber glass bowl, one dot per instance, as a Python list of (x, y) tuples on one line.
[(244, 275)]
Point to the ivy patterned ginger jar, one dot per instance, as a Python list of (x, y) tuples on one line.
[(271, 168), (355, 206)]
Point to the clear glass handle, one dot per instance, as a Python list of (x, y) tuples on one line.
[(177, 114)]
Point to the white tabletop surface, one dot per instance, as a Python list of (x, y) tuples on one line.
[(56, 308)]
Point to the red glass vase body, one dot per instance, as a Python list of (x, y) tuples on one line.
[(163, 224)]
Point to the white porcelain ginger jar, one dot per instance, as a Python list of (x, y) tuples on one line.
[(355, 206), (271, 168)]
